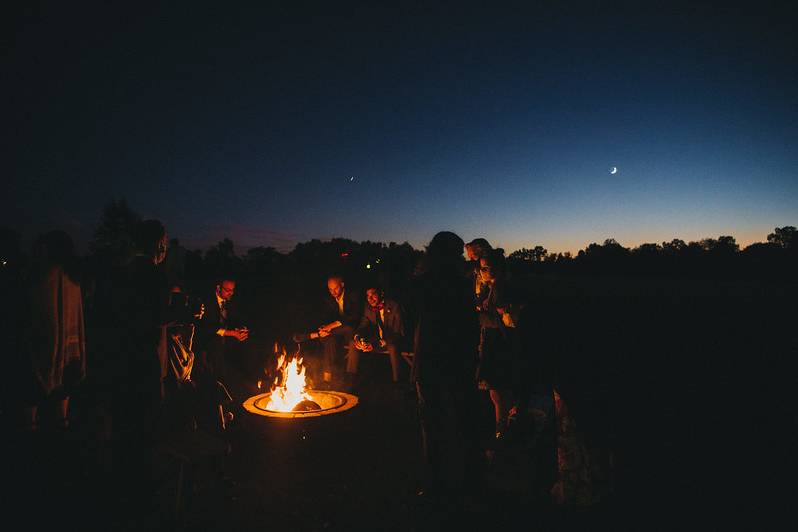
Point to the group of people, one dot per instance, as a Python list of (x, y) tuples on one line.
[(460, 321), (349, 323), (156, 358), (459, 324)]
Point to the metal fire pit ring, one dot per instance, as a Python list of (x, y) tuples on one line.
[(329, 401)]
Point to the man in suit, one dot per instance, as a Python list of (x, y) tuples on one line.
[(381, 329), (217, 330), (341, 314)]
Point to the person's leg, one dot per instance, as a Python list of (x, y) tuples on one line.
[(496, 397), (218, 364), (329, 344), (63, 412), (465, 420), (430, 424), (498, 404), (352, 358), (137, 411), (393, 355), (340, 336)]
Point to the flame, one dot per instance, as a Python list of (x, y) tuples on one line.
[(286, 395)]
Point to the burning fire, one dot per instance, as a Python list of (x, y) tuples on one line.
[(289, 385)]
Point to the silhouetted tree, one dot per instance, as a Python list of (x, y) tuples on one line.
[(785, 237), (262, 254), (674, 247), (523, 255), (762, 251), (175, 263), (113, 239), (536, 254), (263, 260), (724, 244), (610, 251), (647, 250), (221, 258)]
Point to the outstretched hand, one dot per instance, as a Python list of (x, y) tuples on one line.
[(363, 345), (240, 334)]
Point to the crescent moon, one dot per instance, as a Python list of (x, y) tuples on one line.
[(614, 170)]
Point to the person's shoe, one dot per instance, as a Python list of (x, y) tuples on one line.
[(501, 429)]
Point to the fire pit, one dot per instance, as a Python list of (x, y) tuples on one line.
[(289, 399), (326, 403)]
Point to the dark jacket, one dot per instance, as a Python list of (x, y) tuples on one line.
[(353, 309), (393, 328), (206, 337), (141, 313), (446, 329)]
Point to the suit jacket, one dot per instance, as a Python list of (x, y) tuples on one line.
[(212, 322), (353, 309), (393, 327)]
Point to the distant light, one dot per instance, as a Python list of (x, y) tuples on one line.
[(377, 261), (368, 266), (344, 254), (5, 262)]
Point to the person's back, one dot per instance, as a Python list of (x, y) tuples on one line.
[(59, 338), (446, 338), (55, 341), (140, 307), (141, 297), (446, 334)]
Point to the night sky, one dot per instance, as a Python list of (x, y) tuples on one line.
[(502, 123)]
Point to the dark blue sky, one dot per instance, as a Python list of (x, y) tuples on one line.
[(502, 123)]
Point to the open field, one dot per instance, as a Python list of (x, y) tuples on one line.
[(689, 383)]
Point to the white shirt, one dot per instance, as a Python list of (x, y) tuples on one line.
[(340, 301)]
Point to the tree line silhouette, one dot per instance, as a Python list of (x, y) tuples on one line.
[(709, 257), (391, 263)]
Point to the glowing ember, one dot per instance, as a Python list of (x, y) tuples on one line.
[(291, 391)]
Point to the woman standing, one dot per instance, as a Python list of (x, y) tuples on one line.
[(498, 345), (475, 250), (56, 339)]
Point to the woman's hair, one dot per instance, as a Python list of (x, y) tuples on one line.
[(495, 260), (56, 248), (444, 250), (480, 246), (445, 247), (148, 235)]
